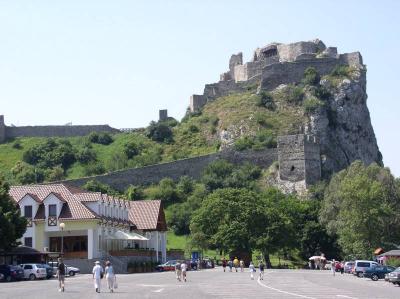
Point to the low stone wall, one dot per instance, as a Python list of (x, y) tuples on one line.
[(192, 167), (56, 131)]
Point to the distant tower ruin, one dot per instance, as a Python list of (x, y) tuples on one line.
[(163, 115), (299, 159)]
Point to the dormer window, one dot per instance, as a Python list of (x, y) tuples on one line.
[(28, 215), (52, 219)]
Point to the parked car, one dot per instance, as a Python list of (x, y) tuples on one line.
[(348, 266), (69, 271), (394, 276), (168, 266), (360, 266), (11, 273), (378, 272), (49, 271), (34, 271)]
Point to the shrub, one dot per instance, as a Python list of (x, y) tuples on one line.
[(341, 71), (27, 174), (132, 149), (55, 174), (96, 186), (116, 161), (86, 155), (134, 193), (310, 105), (294, 94), (393, 261), (159, 132), (171, 122), (311, 76), (193, 129), (266, 100), (94, 169), (100, 138), (260, 119), (243, 143), (264, 139), (17, 145)]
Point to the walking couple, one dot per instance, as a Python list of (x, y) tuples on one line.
[(98, 274)]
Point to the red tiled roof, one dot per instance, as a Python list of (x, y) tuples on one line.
[(146, 214), (76, 208), (37, 199)]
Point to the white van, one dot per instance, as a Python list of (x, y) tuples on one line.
[(361, 265)]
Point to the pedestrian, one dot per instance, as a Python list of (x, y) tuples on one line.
[(236, 263), (342, 267), (61, 275), (224, 264), (309, 265), (261, 268), (241, 263), (230, 264), (183, 270), (97, 275), (110, 276), (178, 270), (333, 267), (252, 269)]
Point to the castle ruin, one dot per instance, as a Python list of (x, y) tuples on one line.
[(273, 65)]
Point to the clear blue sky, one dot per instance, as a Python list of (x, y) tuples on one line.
[(118, 62)]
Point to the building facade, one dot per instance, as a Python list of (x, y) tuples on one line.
[(87, 225)]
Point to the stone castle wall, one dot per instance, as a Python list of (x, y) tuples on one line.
[(192, 167)]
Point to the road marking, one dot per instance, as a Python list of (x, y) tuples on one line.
[(344, 296), (281, 291), (158, 291), (152, 285)]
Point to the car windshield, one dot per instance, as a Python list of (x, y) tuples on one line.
[(397, 269), (40, 266)]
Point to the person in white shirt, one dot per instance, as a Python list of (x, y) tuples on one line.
[(97, 272), (183, 269), (252, 269), (110, 276)]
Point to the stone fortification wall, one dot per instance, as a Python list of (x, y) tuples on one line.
[(192, 167), (289, 52), (56, 131), (292, 72)]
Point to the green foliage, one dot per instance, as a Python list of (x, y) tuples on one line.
[(116, 161), (100, 138), (52, 152), (171, 122), (160, 132), (263, 139), (291, 94), (96, 186), (94, 168), (134, 193), (86, 155), (265, 99), (311, 104), (185, 185), (132, 149), (12, 225), (27, 174), (311, 76), (243, 143), (362, 207), (55, 174), (193, 129), (393, 261), (341, 71), (166, 191), (17, 145)]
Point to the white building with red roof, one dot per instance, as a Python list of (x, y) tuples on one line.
[(89, 225)]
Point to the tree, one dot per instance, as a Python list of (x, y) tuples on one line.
[(362, 206), (132, 149), (134, 192), (160, 132), (12, 225)]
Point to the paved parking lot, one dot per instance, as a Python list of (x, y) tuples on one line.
[(212, 284)]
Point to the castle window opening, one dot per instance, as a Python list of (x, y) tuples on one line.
[(292, 168)]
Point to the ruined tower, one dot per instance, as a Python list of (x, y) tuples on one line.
[(2, 129), (299, 159)]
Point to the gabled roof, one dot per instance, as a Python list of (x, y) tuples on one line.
[(147, 215), (33, 196), (74, 207)]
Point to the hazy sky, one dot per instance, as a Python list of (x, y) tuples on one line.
[(119, 62)]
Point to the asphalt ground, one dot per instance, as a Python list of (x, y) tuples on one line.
[(308, 284)]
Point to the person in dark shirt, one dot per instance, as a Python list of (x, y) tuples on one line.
[(61, 275), (261, 267)]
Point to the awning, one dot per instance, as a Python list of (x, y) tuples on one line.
[(121, 235)]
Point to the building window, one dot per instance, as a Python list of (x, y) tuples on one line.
[(28, 241), (52, 219), (28, 215)]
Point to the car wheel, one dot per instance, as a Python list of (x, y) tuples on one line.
[(32, 277), (71, 273), (360, 274), (374, 277), (8, 278)]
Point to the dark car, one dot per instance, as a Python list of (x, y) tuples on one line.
[(11, 273), (49, 271), (168, 266), (378, 272), (394, 277)]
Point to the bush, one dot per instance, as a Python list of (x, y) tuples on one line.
[(55, 174), (393, 261), (132, 149), (341, 71), (116, 161), (86, 155), (243, 143), (311, 76), (310, 105), (94, 169), (193, 129), (96, 186), (266, 100), (27, 174), (294, 94), (264, 139), (159, 132), (100, 138), (17, 145), (134, 193)]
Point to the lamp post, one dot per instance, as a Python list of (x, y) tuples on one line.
[(62, 226)]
